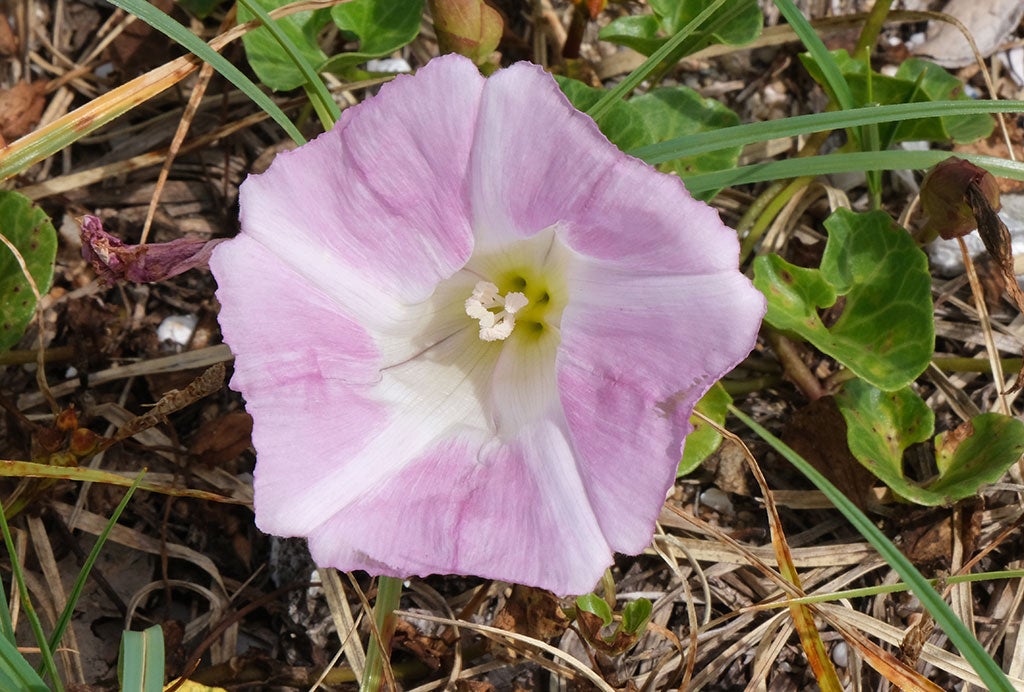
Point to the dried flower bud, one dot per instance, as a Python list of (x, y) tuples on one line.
[(946, 202), (115, 261)]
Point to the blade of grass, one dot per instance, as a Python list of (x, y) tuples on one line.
[(601, 108), (968, 645), (15, 672), (809, 37), (749, 133), (327, 110), (859, 161), (176, 32), (48, 664), (140, 665), (83, 574), (6, 626), (30, 469)]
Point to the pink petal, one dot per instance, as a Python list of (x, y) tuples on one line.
[(637, 353), (557, 168), (384, 193), (514, 511), (306, 371)]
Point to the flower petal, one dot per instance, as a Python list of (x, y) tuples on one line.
[(514, 511), (637, 353), (557, 168), (383, 195)]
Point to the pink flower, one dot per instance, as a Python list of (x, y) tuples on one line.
[(471, 332)]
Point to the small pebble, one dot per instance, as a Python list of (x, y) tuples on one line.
[(716, 500), (388, 65), (841, 654), (177, 329)]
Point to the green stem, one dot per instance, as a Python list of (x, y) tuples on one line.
[(389, 594), (958, 364), (771, 209), (872, 27)]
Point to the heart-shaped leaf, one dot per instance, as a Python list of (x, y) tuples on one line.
[(882, 425), (673, 112), (886, 333)]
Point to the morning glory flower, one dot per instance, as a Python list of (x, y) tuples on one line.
[(471, 332)]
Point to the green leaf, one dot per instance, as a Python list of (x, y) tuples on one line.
[(595, 605), (673, 112), (916, 81), (991, 443), (636, 615), (382, 27), (736, 23), (15, 672), (29, 229), (268, 59), (639, 32), (297, 56), (704, 439), (935, 83), (140, 665), (882, 425), (622, 125), (885, 333)]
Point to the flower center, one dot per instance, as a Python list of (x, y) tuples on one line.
[(521, 290), (495, 312)]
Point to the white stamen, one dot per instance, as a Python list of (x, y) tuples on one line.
[(494, 326), (514, 302)]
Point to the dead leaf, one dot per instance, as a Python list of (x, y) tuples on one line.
[(428, 650), (534, 612), (140, 46), (8, 41), (818, 433), (223, 439), (21, 107), (997, 239)]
